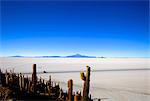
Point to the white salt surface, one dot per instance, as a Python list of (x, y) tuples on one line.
[(131, 85)]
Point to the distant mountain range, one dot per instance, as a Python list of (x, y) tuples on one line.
[(70, 56), (80, 56), (17, 56)]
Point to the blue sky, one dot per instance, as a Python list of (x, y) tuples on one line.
[(100, 28)]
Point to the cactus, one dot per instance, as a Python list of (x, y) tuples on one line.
[(86, 83), (70, 90)]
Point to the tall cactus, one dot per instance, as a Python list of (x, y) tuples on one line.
[(86, 80), (70, 90), (34, 78)]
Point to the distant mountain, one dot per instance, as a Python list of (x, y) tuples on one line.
[(80, 56), (101, 57), (70, 56), (50, 56), (17, 56)]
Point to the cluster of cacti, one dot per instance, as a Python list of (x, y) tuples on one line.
[(33, 88)]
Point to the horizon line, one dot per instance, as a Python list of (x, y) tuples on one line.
[(70, 57)]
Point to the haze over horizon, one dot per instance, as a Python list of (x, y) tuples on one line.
[(70, 56), (93, 28)]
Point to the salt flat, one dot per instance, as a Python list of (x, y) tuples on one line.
[(122, 85)]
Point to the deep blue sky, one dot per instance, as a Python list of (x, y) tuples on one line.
[(100, 28)]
